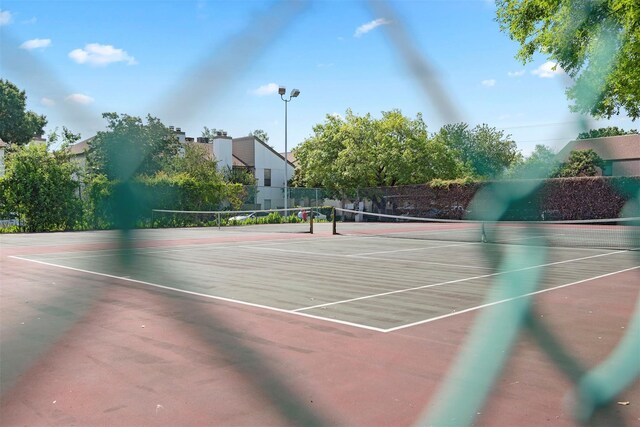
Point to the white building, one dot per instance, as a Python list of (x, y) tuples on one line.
[(249, 153), (267, 166)]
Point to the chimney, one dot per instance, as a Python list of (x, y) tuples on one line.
[(178, 130), (171, 128), (224, 133)]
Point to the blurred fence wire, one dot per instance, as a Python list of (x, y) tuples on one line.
[(496, 329)]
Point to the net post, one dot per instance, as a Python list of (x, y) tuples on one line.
[(484, 234), (311, 221), (152, 223), (333, 220), (219, 222)]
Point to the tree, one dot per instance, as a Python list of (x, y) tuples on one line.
[(239, 176), (209, 133), (485, 151), (40, 187), (581, 163), (130, 147), (604, 132), (261, 135), (17, 126), (197, 162), (360, 151), (597, 43), (68, 137), (542, 163)]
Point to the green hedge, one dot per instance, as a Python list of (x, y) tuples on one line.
[(112, 204)]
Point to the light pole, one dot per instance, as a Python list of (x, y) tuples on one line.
[(293, 94)]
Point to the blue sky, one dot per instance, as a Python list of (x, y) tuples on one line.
[(218, 64)]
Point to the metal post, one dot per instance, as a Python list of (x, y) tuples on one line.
[(294, 93), (333, 220), (286, 196)]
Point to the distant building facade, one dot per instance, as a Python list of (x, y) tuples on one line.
[(248, 153), (621, 154), (267, 166)]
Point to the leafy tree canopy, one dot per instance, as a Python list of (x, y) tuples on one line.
[(262, 135), (209, 132), (17, 125), (196, 161), (67, 137), (238, 176), (542, 163), (603, 132), (596, 42), (130, 147), (39, 186), (484, 151), (581, 163), (361, 151)]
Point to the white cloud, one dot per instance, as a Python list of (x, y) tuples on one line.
[(488, 82), (32, 20), (365, 28), (36, 44), (47, 102), (547, 71), (101, 55), (5, 17), (515, 73), (79, 98), (268, 89)]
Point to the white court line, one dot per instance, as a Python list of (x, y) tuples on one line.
[(150, 250), (440, 246), (414, 249), (393, 260), (466, 310), (199, 294), (413, 261), (398, 291)]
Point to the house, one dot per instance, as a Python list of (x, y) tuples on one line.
[(79, 151), (248, 153), (621, 154), (267, 166)]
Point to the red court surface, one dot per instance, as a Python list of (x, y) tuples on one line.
[(82, 349)]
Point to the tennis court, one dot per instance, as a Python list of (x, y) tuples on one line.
[(382, 307), (356, 280)]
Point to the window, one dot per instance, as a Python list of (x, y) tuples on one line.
[(267, 177), (267, 203), (607, 169)]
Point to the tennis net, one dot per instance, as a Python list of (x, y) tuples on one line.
[(617, 233), (268, 220)]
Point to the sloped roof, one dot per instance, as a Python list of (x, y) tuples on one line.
[(291, 158), (238, 162), (80, 148), (622, 147), (3, 144), (267, 146)]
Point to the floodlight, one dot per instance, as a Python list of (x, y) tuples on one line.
[(294, 93), (282, 90)]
